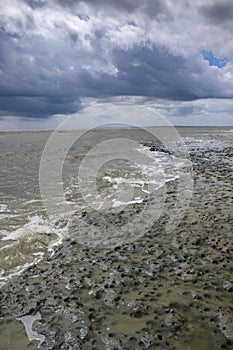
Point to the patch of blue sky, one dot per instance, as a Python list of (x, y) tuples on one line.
[(219, 62)]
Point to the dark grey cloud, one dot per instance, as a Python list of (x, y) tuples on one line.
[(218, 12), (34, 4), (156, 72), (126, 5), (151, 72), (151, 7), (50, 88), (38, 106), (53, 54)]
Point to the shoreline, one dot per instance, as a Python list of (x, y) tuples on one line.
[(165, 291), (181, 127)]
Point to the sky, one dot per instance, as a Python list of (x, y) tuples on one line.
[(60, 56)]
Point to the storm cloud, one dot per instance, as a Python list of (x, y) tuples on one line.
[(219, 12), (55, 54)]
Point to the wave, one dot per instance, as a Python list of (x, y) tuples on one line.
[(27, 245)]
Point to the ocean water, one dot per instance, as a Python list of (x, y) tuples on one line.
[(26, 231)]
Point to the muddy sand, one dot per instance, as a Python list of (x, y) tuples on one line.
[(162, 291)]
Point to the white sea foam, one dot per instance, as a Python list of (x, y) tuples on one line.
[(120, 203), (35, 225), (31, 201), (18, 270), (6, 215), (140, 179), (4, 208), (37, 233)]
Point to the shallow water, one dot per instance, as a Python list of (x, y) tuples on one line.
[(26, 232), (173, 290)]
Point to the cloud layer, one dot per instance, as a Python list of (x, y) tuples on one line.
[(54, 54)]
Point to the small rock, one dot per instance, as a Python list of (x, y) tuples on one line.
[(173, 319), (228, 286), (226, 324)]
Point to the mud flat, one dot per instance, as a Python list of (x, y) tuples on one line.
[(162, 291)]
